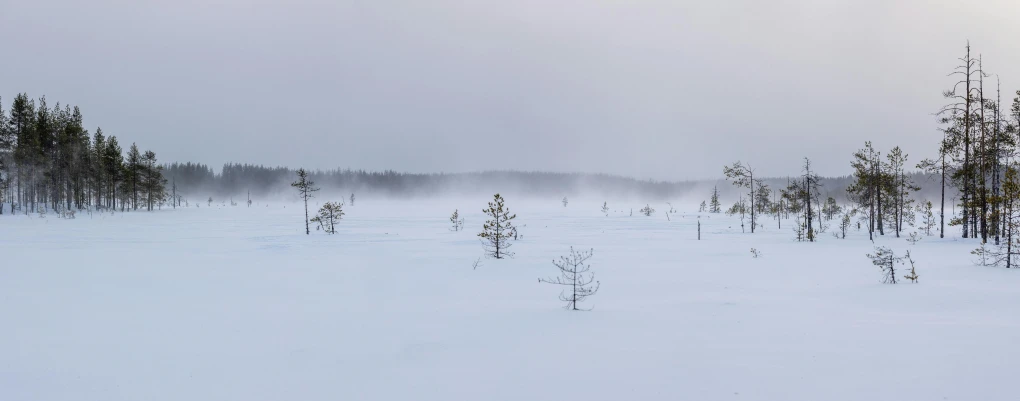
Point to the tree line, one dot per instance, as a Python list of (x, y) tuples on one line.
[(49, 161)]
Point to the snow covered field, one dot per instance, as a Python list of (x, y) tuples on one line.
[(235, 303)]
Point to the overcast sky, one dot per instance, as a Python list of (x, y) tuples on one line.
[(666, 89)]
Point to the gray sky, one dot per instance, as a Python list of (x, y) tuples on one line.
[(667, 89)]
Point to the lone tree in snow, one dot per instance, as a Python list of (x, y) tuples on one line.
[(458, 222), (329, 214), (574, 273), (605, 208), (913, 271), (742, 176), (844, 224), (498, 231), (703, 208), (305, 189), (886, 260), (564, 201), (352, 198), (647, 210), (714, 206)]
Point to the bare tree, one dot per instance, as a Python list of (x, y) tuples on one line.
[(305, 189), (574, 273), (498, 231)]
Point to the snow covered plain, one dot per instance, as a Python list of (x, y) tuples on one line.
[(235, 303)]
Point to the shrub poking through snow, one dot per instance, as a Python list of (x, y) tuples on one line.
[(498, 231), (755, 253), (605, 208), (329, 214), (565, 201), (574, 273), (647, 210)]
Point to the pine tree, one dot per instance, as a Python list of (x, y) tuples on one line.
[(457, 221), (605, 208), (133, 173), (498, 231), (866, 185), (886, 260), (329, 214), (742, 176), (305, 189), (113, 160), (898, 193), (714, 206), (959, 115), (6, 145)]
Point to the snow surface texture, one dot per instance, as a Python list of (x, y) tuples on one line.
[(236, 303)]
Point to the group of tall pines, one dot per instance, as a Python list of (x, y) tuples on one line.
[(49, 161)]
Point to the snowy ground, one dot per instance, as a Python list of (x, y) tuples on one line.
[(231, 303)]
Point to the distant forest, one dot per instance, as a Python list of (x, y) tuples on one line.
[(199, 181)]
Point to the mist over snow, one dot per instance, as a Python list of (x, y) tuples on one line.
[(451, 200)]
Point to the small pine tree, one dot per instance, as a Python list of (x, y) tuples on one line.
[(913, 271), (498, 231), (714, 206), (352, 198), (329, 214), (703, 207), (574, 273), (844, 224), (458, 222), (605, 208), (647, 210), (564, 201), (886, 260)]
